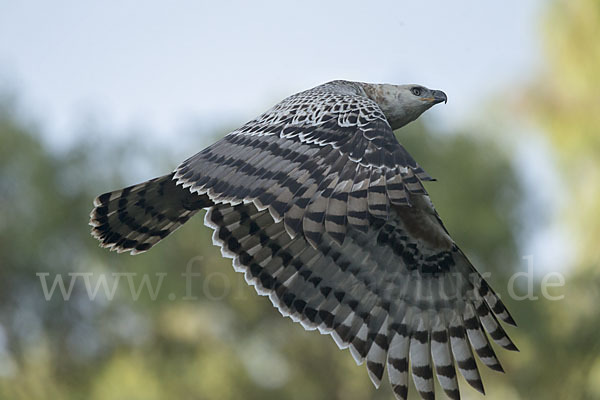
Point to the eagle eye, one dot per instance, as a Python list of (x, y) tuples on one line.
[(416, 91)]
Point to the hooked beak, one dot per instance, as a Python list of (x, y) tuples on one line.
[(438, 97)]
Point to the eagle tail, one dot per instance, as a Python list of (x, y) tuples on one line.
[(137, 217)]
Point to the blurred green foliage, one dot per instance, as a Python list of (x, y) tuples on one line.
[(565, 102), (229, 343)]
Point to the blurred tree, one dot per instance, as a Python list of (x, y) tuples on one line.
[(565, 101)]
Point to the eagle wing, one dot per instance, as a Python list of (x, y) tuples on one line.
[(399, 291), (320, 160)]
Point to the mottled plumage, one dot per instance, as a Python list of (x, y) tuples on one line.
[(325, 212)]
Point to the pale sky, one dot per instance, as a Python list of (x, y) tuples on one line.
[(164, 66)]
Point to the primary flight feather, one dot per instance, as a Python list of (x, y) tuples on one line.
[(325, 212)]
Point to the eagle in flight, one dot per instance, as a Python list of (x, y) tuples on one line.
[(325, 212)]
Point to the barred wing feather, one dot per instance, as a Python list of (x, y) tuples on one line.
[(313, 149), (391, 297)]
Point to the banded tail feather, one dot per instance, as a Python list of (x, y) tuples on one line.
[(137, 217)]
